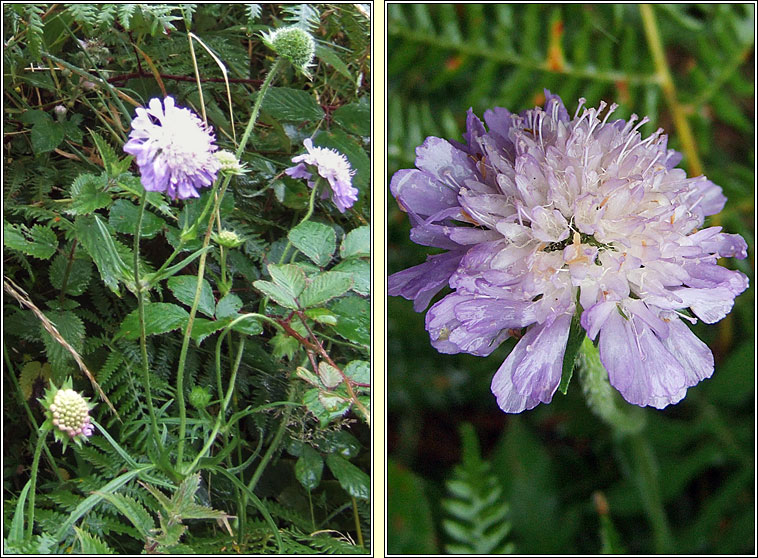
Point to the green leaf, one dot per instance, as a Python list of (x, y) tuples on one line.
[(160, 317), (358, 371), (294, 105), (91, 544), (321, 316), (277, 293), (575, 338), (355, 117), (79, 274), (88, 194), (350, 477), (314, 404), (107, 153), (315, 240), (360, 271), (134, 511), (94, 235), (230, 305), (39, 241), (328, 55), (410, 526), (288, 276), (324, 287), (46, 133), (356, 243), (329, 375), (123, 219), (71, 328), (248, 326), (353, 319), (309, 467), (202, 328), (184, 286), (341, 442)]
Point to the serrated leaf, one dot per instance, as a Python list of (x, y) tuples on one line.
[(248, 326), (30, 373), (312, 401), (39, 241), (184, 287), (309, 467), (134, 511), (351, 478), (356, 243), (329, 375), (290, 277), (88, 194), (277, 293), (358, 371), (353, 319), (325, 287), (360, 271), (71, 328), (79, 274), (294, 105), (202, 328), (123, 219), (229, 305), (46, 134), (94, 235), (355, 117), (333, 402), (316, 240), (308, 376), (160, 317), (107, 153), (91, 544)]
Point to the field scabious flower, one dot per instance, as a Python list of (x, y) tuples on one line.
[(331, 165), (544, 216), (173, 149), (67, 414)]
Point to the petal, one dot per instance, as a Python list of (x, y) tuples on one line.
[(421, 282), (443, 161), (421, 193), (638, 364), (695, 356)]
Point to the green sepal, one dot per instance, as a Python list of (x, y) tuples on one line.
[(575, 338)]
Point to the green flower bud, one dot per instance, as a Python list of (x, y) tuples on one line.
[(67, 414), (228, 239), (199, 397), (229, 163), (294, 44)]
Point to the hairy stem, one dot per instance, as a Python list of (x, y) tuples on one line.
[(143, 333), (35, 469)]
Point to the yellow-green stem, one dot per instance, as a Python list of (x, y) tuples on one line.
[(35, 469)]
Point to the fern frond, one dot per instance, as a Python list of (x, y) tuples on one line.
[(476, 515), (305, 16)]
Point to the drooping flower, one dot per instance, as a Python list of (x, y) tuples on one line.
[(174, 149), (67, 413), (331, 165), (544, 216)]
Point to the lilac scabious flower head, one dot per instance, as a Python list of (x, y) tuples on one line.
[(331, 165), (67, 414), (544, 217), (174, 149)]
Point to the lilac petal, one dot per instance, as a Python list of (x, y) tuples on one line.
[(638, 364), (694, 355), (532, 371), (421, 282), (451, 166), (538, 361), (421, 193), (486, 314)]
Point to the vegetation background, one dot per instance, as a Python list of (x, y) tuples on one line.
[(284, 465), (556, 475)]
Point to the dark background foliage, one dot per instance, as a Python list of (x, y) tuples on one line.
[(558, 464)]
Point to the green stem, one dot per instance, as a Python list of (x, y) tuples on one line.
[(357, 522), (35, 468), (308, 214), (258, 102), (628, 423), (274, 443), (143, 333), (67, 273), (689, 146)]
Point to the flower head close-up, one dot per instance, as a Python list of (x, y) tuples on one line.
[(331, 165), (173, 148), (68, 414), (548, 218)]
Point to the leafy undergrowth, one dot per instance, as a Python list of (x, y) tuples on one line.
[(243, 425)]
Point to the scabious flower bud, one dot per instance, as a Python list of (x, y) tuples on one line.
[(67, 413), (294, 44), (228, 239), (229, 163), (199, 397)]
